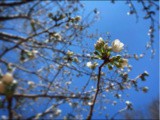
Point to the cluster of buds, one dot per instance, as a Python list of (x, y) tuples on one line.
[(26, 54), (103, 51), (70, 57), (70, 53), (7, 83), (56, 36), (99, 45), (75, 19)]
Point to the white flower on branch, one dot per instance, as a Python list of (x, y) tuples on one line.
[(90, 103), (58, 112), (92, 65), (70, 53), (100, 43), (117, 46), (31, 83), (124, 63), (58, 36), (77, 18), (129, 105), (145, 89)]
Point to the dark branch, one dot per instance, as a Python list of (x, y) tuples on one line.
[(15, 3), (33, 96), (97, 91), (5, 18)]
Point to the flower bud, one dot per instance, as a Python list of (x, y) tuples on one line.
[(145, 89), (7, 78), (129, 105), (123, 63), (100, 43), (92, 65), (117, 46), (77, 18), (70, 53)]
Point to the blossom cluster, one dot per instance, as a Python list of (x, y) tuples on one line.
[(104, 51)]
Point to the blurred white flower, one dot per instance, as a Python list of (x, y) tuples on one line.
[(58, 36), (69, 53), (31, 83), (100, 43), (117, 46), (14, 81), (77, 18), (75, 59), (90, 103), (92, 65), (141, 55), (7, 78), (146, 73), (58, 112), (145, 89), (89, 64), (34, 51), (124, 63), (136, 56), (68, 83), (128, 103)]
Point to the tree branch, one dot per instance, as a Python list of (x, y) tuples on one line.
[(15, 3), (32, 96), (4, 18), (9, 98), (97, 90)]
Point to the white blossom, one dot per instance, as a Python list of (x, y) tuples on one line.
[(7, 78), (14, 81), (146, 73), (75, 59), (100, 43), (145, 89), (117, 46), (34, 51), (31, 83), (128, 103), (70, 53), (78, 18), (58, 36), (124, 63), (92, 65), (58, 112), (89, 64), (90, 103)]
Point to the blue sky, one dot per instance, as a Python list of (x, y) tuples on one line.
[(114, 19)]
